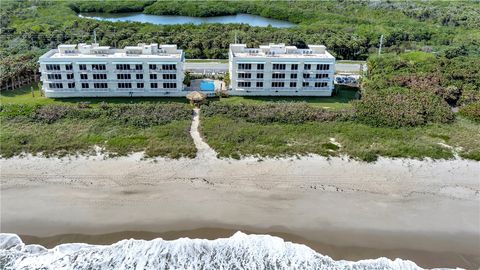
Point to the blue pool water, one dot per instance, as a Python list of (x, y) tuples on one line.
[(207, 86)]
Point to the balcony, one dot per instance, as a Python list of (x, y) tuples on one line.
[(128, 71), (161, 71)]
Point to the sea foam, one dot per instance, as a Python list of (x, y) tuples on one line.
[(240, 251)]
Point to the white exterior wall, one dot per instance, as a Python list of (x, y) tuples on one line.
[(111, 60), (239, 55)]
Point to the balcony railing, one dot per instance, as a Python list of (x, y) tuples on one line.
[(162, 71), (128, 71)]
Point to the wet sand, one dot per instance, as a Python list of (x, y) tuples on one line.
[(425, 211)]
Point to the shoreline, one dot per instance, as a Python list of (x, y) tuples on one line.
[(430, 210), (423, 258)]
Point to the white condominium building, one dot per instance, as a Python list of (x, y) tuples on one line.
[(100, 71), (279, 70)]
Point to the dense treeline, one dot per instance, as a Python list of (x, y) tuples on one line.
[(109, 6), (350, 30)]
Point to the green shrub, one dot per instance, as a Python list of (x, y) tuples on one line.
[(289, 113), (471, 111), (141, 115), (16, 110), (401, 108)]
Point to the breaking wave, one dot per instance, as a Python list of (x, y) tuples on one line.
[(240, 251)]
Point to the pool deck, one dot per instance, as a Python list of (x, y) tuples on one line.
[(195, 86)]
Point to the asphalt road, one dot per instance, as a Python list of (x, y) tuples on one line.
[(223, 67)]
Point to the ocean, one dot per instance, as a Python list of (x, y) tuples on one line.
[(240, 251)]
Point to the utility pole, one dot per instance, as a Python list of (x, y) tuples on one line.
[(114, 38), (381, 43), (94, 36), (235, 37)]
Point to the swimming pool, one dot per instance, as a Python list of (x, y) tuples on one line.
[(207, 86)]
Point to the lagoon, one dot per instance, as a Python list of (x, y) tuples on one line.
[(251, 20)]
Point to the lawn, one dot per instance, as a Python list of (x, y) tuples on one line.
[(237, 137), (24, 96), (206, 60), (338, 101)]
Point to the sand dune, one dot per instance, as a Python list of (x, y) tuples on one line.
[(392, 204)]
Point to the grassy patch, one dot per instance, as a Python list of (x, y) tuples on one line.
[(338, 101), (157, 129), (24, 96), (206, 60), (237, 137), (72, 136)]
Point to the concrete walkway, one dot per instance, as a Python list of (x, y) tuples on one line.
[(204, 151)]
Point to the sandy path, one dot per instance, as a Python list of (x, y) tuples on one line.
[(390, 204), (204, 151)]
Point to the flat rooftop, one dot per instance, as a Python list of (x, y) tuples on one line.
[(84, 51), (280, 51)]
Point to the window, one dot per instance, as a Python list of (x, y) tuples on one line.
[(306, 75), (278, 84), (55, 85), (293, 84), (306, 84), (139, 76), (169, 85), (169, 76), (278, 76), (124, 76), (100, 76), (85, 85), (260, 66), (320, 84), (153, 85), (98, 67), (71, 85), (123, 66), (244, 75), (243, 84), (259, 84), (100, 85), (153, 76), (140, 85), (83, 76), (68, 67), (138, 67), (54, 76), (294, 67), (307, 66), (53, 67), (259, 75), (169, 67), (244, 66), (82, 67), (152, 67), (293, 76), (321, 76), (70, 76), (279, 66), (124, 85), (323, 67)]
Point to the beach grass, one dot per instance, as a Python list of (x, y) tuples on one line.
[(237, 137), (79, 136)]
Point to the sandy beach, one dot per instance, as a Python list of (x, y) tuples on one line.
[(425, 211)]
